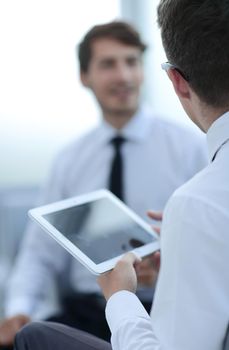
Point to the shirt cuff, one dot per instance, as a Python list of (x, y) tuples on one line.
[(123, 305), (18, 306)]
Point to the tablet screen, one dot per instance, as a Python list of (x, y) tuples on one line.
[(100, 229)]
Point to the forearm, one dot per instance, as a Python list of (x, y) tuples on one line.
[(130, 325)]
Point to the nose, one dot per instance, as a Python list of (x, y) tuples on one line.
[(123, 72)]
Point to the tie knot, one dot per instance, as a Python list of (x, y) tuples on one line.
[(117, 141)]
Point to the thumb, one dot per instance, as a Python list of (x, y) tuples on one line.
[(131, 258)]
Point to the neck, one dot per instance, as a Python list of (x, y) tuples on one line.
[(118, 120), (210, 115), (202, 114)]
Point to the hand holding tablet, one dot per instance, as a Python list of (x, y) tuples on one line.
[(97, 229)]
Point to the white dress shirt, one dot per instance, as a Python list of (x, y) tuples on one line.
[(191, 304), (158, 157)]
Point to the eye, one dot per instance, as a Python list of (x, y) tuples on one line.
[(107, 64), (133, 61)]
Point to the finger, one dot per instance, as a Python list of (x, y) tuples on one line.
[(131, 258), (156, 229), (152, 261), (155, 215), (156, 260)]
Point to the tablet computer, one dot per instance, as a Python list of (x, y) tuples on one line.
[(97, 229)]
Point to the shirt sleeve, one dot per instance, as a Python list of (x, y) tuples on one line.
[(191, 304), (35, 268), (130, 324)]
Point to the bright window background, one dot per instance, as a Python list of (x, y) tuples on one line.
[(42, 103), (158, 91)]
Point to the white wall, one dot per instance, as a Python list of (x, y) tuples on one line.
[(42, 103)]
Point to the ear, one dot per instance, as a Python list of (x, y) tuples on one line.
[(84, 79), (180, 85)]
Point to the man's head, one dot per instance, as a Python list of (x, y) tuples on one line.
[(110, 57), (195, 35)]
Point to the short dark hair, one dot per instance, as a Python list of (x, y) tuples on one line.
[(117, 30), (195, 36)]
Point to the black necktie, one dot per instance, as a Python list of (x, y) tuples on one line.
[(116, 173)]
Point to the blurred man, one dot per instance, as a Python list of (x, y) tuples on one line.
[(154, 157)]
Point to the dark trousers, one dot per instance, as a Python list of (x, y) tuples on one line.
[(87, 313), (54, 336)]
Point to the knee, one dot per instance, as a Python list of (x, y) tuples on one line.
[(29, 336), (30, 329)]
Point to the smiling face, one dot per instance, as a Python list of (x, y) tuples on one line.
[(115, 75)]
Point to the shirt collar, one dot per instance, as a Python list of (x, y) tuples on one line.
[(218, 134), (135, 130)]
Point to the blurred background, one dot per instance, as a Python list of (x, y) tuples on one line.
[(42, 103)]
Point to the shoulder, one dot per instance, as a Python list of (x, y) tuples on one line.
[(183, 142), (67, 161), (177, 130), (75, 147), (205, 189), (172, 130), (195, 188), (197, 212)]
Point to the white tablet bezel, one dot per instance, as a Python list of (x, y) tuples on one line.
[(37, 215)]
